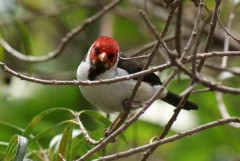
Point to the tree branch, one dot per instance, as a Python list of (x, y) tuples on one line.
[(167, 127), (169, 139), (113, 80), (64, 41), (211, 33), (127, 123), (84, 131)]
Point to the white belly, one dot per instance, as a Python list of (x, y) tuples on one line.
[(110, 97)]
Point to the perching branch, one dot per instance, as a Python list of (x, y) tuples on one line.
[(179, 62), (83, 83), (113, 80), (127, 123)]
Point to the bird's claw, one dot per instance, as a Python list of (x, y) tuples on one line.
[(131, 105)]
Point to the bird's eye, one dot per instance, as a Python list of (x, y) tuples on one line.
[(97, 51), (110, 56)]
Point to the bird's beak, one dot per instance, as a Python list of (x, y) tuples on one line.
[(103, 57)]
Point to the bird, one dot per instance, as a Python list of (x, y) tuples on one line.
[(103, 61)]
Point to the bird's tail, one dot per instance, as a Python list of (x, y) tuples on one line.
[(174, 99)]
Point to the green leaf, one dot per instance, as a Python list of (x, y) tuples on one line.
[(11, 126), (39, 117), (25, 36), (35, 138), (16, 149), (3, 143), (101, 119), (66, 143), (97, 116)]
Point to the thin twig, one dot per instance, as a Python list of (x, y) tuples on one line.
[(139, 50), (223, 109), (178, 29), (211, 33), (221, 105), (64, 41), (83, 83), (146, 47), (210, 84), (169, 139), (195, 35), (217, 67), (198, 42), (227, 40), (201, 90), (150, 26), (150, 58), (126, 123), (172, 8), (155, 33), (189, 89), (117, 79), (188, 23), (152, 54), (84, 131), (184, 99), (232, 15), (206, 55), (135, 57)]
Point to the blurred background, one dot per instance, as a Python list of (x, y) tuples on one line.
[(36, 28)]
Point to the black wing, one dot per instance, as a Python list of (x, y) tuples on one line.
[(132, 66)]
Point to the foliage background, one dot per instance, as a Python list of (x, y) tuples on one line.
[(36, 27)]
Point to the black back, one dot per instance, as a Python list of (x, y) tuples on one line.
[(132, 66)]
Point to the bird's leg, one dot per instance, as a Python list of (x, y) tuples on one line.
[(109, 129), (120, 119), (117, 123)]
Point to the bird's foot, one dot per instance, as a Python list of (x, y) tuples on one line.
[(131, 105)]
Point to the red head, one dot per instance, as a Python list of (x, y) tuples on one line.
[(104, 50)]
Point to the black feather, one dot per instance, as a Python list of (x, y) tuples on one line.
[(132, 66), (175, 99), (95, 70)]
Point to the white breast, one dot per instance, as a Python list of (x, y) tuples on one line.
[(110, 97)]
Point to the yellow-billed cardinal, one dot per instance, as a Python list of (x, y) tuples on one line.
[(102, 62)]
